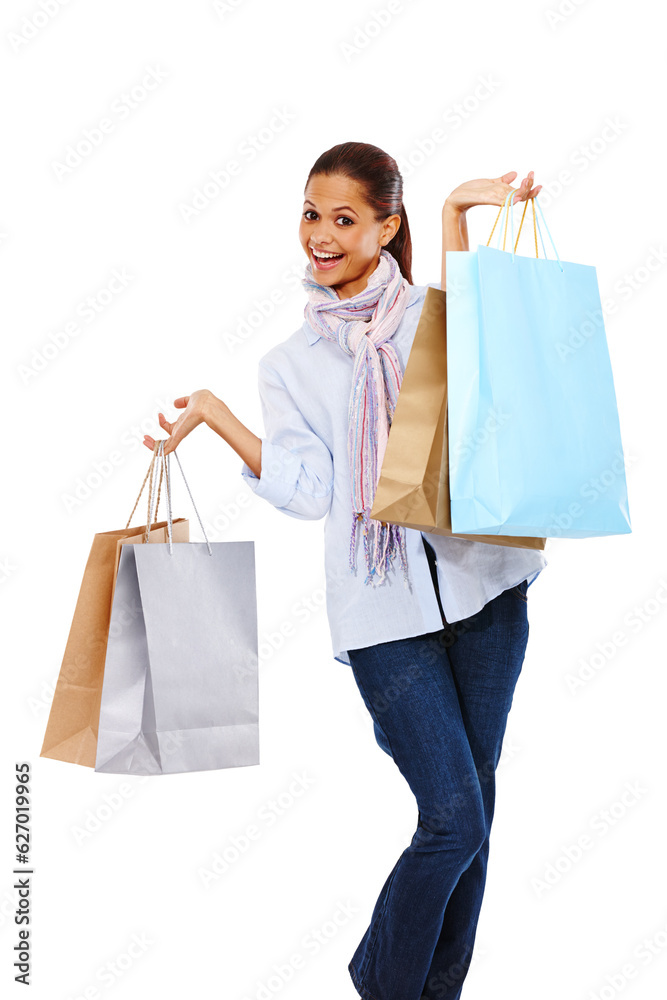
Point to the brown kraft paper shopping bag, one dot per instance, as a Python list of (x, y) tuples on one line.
[(413, 489), (72, 727)]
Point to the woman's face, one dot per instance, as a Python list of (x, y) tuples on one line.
[(337, 220)]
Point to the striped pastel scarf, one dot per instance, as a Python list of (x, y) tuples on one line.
[(362, 326)]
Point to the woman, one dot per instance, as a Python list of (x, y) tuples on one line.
[(435, 652)]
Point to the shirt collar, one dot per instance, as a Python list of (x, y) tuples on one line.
[(312, 336)]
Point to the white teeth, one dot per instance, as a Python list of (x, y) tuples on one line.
[(318, 253)]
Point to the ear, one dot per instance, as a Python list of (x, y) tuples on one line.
[(390, 227)]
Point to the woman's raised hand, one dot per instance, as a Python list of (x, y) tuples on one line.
[(491, 191), (193, 407)]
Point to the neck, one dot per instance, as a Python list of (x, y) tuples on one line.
[(357, 285)]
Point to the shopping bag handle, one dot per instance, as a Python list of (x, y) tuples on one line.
[(503, 227), (164, 460), (505, 210), (150, 495)]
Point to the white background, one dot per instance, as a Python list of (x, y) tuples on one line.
[(554, 83)]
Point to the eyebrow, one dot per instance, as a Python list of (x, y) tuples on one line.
[(339, 209)]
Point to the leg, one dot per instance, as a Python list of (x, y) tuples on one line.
[(410, 691), (486, 653)]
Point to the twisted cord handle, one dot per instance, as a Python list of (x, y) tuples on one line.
[(518, 235), (506, 207), (149, 517), (208, 544), (160, 459), (149, 473), (165, 463)]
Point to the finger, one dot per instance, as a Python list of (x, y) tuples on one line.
[(507, 178), (181, 401), (165, 423), (532, 191), (169, 444), (523, 191), (526, 182)]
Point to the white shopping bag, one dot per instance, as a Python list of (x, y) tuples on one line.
[(180, 689)]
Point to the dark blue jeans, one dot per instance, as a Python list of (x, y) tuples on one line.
[(439, 704)]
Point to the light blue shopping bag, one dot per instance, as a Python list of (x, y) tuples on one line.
[(534, 437)]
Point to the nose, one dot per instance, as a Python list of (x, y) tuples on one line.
[(321, 237)]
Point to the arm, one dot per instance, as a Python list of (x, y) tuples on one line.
[(290, 466), (454, 234), (247, 445)]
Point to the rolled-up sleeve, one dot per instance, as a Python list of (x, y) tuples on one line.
[(297, 466)]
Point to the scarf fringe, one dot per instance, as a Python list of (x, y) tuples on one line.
[(382, 542)]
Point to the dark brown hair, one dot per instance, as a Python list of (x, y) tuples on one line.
[(380, 178)]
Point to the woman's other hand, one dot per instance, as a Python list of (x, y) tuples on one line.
[(193, 407), (491, 191)]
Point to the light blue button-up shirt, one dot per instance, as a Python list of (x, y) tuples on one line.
[(304, 386)]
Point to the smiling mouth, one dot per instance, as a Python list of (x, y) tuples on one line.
[(326, 263)]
